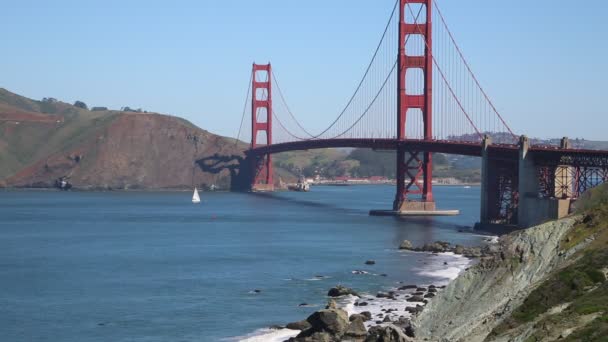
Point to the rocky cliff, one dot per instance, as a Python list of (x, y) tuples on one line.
[(545, 283)]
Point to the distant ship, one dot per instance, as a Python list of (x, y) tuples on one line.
[(301, 186), (195, 197)]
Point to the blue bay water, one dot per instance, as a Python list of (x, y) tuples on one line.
[(147, 266)]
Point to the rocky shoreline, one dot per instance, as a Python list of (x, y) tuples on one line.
[(503, 275), (384, 316)]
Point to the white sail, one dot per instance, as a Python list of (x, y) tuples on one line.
[(195, 197)]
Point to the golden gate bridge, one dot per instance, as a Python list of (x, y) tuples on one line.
[(418, 95)]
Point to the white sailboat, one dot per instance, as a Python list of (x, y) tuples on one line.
[(195, 197)]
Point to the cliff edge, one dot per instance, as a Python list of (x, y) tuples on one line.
[(545, 283)]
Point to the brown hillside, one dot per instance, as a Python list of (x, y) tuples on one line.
[(105, 150)]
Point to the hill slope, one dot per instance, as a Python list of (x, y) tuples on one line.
[(545, 283), (42, 141)]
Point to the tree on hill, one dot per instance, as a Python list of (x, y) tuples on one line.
[(81, 104), (129, 109)]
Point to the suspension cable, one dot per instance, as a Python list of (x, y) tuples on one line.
[(371, 104), (445, 80), (471, 71), (284, 128), (287, 106), (364, 75), (244, 109)]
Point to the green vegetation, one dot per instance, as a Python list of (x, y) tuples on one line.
[(597, 330), (28, 141), (365, 163), (581, 285), (81, 105)]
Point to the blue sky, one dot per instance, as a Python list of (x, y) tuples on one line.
[(543, 62)]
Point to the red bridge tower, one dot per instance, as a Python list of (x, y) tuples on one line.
[(261, 122), (414, 168)]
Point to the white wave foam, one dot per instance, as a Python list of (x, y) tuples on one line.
[(267, 335), (434, 267), (444, 267)]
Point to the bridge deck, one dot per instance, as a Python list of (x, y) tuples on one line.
[(500, 151)]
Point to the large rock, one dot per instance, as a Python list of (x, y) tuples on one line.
[(301, 325), (314, 337), (357, 316), (332, 321), (415, 299), (340, 290), (356, 330), (436, 247), (389, 333), (407, 245)]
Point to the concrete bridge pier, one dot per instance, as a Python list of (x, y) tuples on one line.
[(499, 186), (533, 207), (511, 189)]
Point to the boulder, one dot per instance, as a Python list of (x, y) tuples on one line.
[(415, 299), (301, 325), (435, 247), (458, 249), (340, 290), (414, 310), (332, 321), (382, 295), (389, 333), (356, 329), (407, 245), (313, 337), (403, 323), (367, 315), (356, 316), (331, 304), (386, 320), (370, 262), (429, 295), (408, 287), (472, 252)]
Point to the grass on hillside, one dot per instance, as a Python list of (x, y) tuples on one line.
[(582, 284)]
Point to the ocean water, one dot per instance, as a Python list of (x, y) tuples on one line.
[(151, 266)]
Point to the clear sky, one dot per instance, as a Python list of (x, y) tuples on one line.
[(543, 62)]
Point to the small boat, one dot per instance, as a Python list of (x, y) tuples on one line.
[(467, 187), (301, 186), (195, 197)]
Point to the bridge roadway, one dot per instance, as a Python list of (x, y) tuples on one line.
[(475, 149)]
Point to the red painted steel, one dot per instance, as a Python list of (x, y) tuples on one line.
[(414, 167), (262, 164)]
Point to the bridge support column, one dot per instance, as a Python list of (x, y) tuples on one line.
[(414, 168), (261, 122), (499, 190), (536, 207), (486, 172)]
